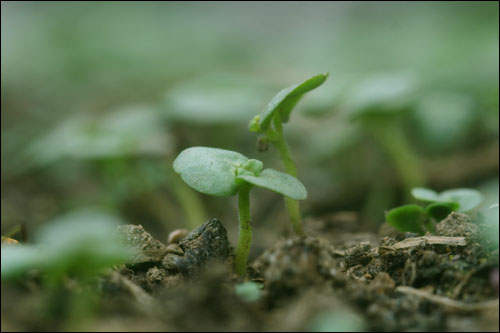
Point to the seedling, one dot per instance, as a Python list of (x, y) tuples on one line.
[(221, 172), (117, 143), (417, 219), (378, 104), (488, 217), (270, 124), (79, 246), (249, 291)]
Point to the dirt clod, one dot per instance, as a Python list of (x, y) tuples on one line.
[(203, 244)]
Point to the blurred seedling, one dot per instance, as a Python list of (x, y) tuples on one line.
[(378, 104), (221, 172), (417, 219), (488, 217), (249, 291), (77, 247), (131, 151), (336, 321), (270, 124)]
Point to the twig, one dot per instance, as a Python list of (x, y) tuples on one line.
[(442, 300), (434, 240)]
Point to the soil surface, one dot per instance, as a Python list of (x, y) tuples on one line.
[(336, 278)]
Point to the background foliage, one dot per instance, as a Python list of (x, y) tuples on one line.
[(98, 98)]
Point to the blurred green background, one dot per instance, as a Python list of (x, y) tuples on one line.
[(98, 98)]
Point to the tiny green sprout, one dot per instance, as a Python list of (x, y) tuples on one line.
[(417, 219), (488, 218), (80, 244), (249, 291), (270, 124), (221, 172), (378, 104)]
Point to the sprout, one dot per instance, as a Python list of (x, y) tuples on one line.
[(249, 291), (221, 172), (413, 218), (214, 98), (81, 244), (377, 104), (128, 131), (277, 112)]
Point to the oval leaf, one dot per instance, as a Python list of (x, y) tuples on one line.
[(286, 99), (382, 95), (425, 194), (467, 198), (409, 218), (440, 210), (20, 258), (215, 98), (278, 182), (210, 170)]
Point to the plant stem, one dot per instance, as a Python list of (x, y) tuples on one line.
[(282, 147), (407, 164), (245, 235), (286, 157)]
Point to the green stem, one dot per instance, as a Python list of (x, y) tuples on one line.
[(393, 140), (245, 235), (286, 157), (282, 147)]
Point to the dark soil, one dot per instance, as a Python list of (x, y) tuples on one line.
[(387, 282)]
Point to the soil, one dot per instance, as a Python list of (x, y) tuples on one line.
[(336, 278)]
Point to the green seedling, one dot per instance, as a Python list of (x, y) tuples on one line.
[(270, 124), (221, 172), (378, 105), (249, 291), (417, 219), (336, 320), (131, 151), (80, 244), (76, 246), (488, 218)]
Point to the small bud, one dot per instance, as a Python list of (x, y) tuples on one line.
[(254, 124), (254, 166)]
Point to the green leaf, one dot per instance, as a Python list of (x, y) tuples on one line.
[(443, 119), (338, 320), (215, 98), (287, 98), (249, 291), (18, 259), (409, 218), (382, 94), (210, 170), (278, 182), (82, 243), (425, 194), (467, 198), (253, 166), (440, 210), (128, 131)]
